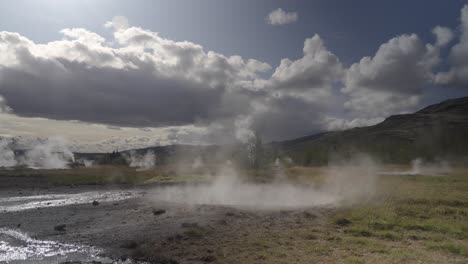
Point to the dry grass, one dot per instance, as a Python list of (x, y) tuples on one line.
[(413, 219), (103, 175)]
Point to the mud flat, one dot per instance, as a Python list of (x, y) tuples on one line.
[(119, 223)]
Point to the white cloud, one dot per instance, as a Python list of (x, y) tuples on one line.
[(90, 137), (146, 80), (333, 123), (310, 76), (393, 80), (139, 89), (457, 75), (117, 23), (443, 35), (281, 17)]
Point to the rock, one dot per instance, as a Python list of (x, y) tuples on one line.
[(343, 222), (230, 214), (208, 258), (309, 215), (189, 225), (95, 203), (129, 245), (60, 228), (158, 211)]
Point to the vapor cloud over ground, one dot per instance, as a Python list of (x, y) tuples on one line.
[(343, 183)]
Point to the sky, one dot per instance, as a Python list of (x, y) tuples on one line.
[(125, 74)]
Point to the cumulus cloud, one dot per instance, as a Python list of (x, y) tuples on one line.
[(316, 70), (333, 123), (393, 80), (443, 35), (300, 93), (160, 90), (117, 23), (146, 80), (281, 17), (458, 59)]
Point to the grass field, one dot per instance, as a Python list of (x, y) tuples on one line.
[(412, 219), (105, 175)]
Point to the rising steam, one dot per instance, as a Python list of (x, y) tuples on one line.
[(421, 167), (7, 155), (51, 153), (345, 182), (141, 162)]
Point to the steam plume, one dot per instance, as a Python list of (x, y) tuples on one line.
[(7, 156), (346, 182), (142, 162), (50, 153)]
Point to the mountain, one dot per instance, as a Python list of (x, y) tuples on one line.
[(437, 131)]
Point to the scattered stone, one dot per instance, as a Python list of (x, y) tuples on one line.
[(129, 245), (208, 258), (95, 203), (177, 237), (309, 215), (159, 211), (343, 222), (230, 214), (60, 228), (311, 237), (189, 225)]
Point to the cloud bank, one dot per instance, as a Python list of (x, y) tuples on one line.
[(140, 80)]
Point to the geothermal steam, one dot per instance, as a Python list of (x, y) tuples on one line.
[(51, 153), (421, 167), (141, 162), (7, 156), (345, 182)]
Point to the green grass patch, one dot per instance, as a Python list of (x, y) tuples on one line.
[(456, 248)]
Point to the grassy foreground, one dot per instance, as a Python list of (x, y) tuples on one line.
[(412, 219), (105, 175)]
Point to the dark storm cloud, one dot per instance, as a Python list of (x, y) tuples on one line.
[(110, 96)]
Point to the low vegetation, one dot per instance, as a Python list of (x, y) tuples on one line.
[(412, 219)]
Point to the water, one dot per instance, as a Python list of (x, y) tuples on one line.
[(20, 203), (17, 247)]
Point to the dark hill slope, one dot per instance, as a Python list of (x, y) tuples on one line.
[(437, 131)]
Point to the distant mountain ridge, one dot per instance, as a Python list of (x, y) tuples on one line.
[(436, 131)]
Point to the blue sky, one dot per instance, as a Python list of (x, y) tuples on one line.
[(172, 72), (351, 29)]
